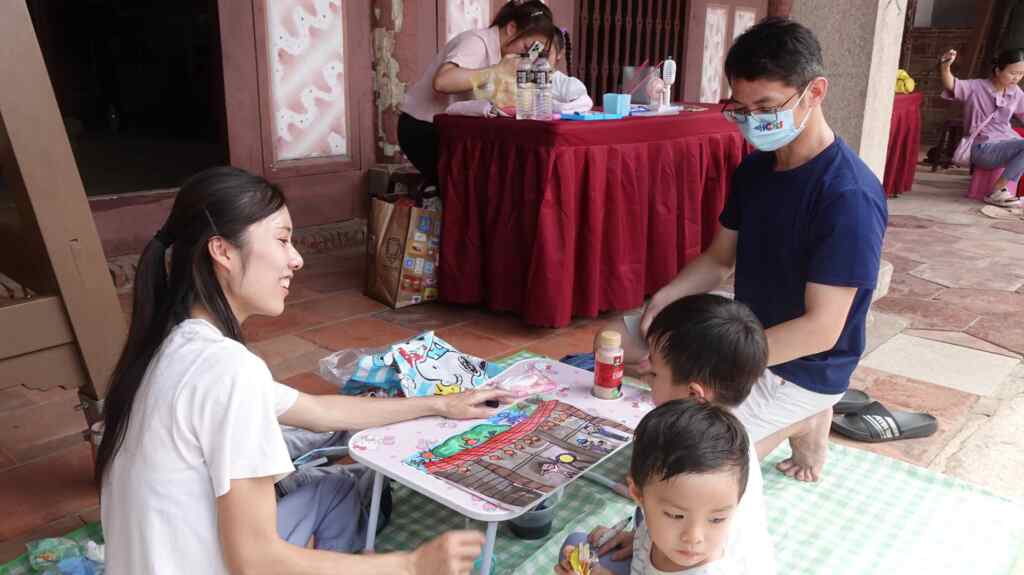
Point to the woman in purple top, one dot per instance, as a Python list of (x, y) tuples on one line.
[(996, 145)]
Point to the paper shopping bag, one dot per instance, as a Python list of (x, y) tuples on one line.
[(402, 252)]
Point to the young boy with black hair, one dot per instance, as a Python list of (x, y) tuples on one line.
[(709, 350), (688, 476)]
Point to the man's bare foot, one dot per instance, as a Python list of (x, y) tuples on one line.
[(810, 447)]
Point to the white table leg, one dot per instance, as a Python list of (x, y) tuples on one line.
[(371, 526), (485, 559)]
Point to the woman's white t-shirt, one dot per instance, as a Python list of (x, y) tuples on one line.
[(206, 413)]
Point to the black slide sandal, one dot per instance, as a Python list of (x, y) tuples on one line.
[(853, 400), (876, 424)]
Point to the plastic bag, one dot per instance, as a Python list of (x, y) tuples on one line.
[(340, 366), (45, 554)]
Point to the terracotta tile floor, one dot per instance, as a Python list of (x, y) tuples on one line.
[(45, 476)]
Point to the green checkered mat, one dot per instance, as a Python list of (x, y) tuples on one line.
[(869, 514), (874, 514)]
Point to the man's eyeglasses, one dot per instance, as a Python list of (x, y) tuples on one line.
[(741, 116)]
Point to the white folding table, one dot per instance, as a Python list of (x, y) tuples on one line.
[(385, 449)]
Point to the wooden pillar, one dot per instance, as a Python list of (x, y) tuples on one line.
[(40, 170)]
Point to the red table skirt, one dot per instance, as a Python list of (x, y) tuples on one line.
[(904, 141), (559, 219)]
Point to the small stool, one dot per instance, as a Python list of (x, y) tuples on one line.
[(982, 182)]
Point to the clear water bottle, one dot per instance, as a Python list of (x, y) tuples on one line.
[(542, 79), (525, 89)]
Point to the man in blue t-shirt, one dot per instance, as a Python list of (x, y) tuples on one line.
[(803, 227)]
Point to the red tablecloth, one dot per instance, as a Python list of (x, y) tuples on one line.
[(559, 219), (904, 141)]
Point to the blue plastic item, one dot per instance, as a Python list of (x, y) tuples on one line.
[(592, 116), (580, 360), (616, 104)]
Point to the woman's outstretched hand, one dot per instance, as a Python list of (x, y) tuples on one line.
[(475, 404), (948, 58)]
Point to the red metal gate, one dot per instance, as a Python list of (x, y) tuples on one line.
[(616, 33)]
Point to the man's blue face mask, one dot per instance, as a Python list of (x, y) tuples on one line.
[(769, 131)]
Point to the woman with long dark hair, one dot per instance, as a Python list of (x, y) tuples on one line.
[(192, 445), (457, 70), (988, 105)]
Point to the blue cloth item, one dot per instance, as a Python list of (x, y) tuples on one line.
[(329, 510), (374, 373), (580, 360), (78, 566), (822, 222)]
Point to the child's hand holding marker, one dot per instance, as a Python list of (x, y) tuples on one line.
[(579, 560), (601, 538)]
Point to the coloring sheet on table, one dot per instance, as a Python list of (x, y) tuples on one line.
[(525, 452), (584, 428)]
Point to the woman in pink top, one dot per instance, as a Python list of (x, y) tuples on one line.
[(451, 76), (998, 96)]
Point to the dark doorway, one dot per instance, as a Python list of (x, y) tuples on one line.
[(140, 88)]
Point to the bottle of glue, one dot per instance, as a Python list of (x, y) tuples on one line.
[(608, 366)]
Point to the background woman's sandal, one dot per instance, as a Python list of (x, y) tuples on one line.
[(874, 423), (997, 213), (1003, 198)]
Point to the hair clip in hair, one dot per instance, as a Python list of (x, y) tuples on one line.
[(210, 219)]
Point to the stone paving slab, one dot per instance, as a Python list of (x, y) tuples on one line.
[(943, 364)]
